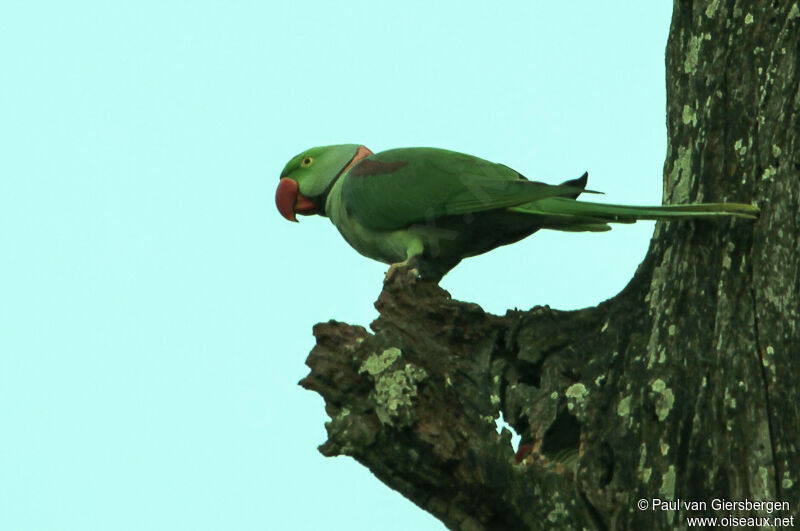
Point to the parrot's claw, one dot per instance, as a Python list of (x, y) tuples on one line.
[(408, 267)]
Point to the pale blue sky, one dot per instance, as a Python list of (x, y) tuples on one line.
[(157, 311)]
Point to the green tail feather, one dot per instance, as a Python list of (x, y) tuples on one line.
[(569, 214)]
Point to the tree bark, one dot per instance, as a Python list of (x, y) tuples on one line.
[(685, 386)]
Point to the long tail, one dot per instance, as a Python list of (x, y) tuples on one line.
[(567, 214)]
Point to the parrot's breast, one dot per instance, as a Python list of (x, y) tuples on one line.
[(387, 246)]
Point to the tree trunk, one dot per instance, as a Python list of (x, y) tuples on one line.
[(685, 386)]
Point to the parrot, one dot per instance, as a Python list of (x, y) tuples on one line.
[(428, 208)]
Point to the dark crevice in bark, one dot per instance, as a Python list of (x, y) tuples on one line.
[(594, 515)]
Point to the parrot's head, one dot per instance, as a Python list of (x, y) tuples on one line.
[(308, 177)]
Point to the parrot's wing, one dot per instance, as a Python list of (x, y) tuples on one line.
[(397, 188)]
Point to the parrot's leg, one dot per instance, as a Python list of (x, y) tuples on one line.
[(410, 264)]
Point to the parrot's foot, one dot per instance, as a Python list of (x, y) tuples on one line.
[(407, 268)]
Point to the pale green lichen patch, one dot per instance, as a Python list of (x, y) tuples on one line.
[(776, 150), (664, 448), (394, 389), (794, 12), (765, 358), (763, 476), (559, 511), (576, 393), (394, 392), (740, 147), (680, 175), (748, 18), (769, 173), (693, 50), (671, 330), (624, 406), (730, 401), (377, 363), (644, 472), (712, 8), (664, 398), (786, 482), (689, 115), (726, 259)]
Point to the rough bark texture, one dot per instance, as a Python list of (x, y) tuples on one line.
[(684, 386)]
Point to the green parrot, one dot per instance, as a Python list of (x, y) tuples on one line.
[(430, 208)]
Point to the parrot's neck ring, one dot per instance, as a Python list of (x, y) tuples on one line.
[(361, 153)]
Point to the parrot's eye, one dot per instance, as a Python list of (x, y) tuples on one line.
[(306, 162)]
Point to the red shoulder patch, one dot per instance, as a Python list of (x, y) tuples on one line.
[(367, 168)]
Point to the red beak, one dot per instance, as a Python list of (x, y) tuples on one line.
[(289, 200)]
